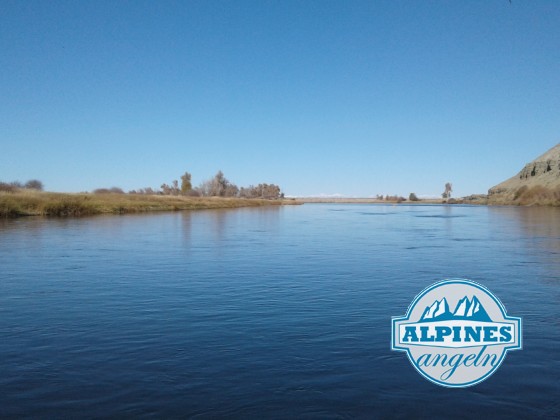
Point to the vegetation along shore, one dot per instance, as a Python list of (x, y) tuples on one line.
[(538, 183), (38, 203), (29, 199)]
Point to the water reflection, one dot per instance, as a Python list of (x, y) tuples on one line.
[(540, 224), (540, 221), (186, 228)]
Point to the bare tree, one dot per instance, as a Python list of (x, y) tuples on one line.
[(231, 190), (172, 189), (205, 187), (269, 191), (448, 190), (166, 189), (219, 186)]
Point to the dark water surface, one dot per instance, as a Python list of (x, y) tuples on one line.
[(270, 313)]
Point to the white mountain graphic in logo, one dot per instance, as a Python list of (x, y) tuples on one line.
[(465, 309)]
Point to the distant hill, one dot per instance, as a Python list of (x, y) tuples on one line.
[(537, 183)]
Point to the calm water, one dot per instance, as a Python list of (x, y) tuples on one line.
[(275, 313)]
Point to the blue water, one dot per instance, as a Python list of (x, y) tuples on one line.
[(266, 313)]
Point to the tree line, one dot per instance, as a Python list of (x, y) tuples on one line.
[(217, 186), (32, 184)]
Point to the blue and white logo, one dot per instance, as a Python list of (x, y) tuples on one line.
[(456, 333)]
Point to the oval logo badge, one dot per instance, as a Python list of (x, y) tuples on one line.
[(456, 333)]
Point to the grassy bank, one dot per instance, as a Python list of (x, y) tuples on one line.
[(528, 196), (35, 203)]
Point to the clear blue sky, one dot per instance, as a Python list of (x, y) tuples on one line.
[(347, 97)]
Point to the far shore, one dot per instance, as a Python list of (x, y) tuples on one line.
[(37, 203), (526, 197), (366, 200)]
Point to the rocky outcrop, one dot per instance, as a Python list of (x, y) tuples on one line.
[(543, 174)]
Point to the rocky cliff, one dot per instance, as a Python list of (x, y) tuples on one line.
[(541, 178)]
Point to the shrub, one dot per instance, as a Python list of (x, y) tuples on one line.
[(193, 193), (396, 198), (7, 187), (112, 190), (145, 191), (34, 184)]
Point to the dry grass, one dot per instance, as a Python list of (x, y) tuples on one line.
[(34, 203), (529, 196), (538, 195)]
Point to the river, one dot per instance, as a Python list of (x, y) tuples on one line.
[(276, 312)]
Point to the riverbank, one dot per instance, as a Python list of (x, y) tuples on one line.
[(35, 203), (524, 197), (357, 200)]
